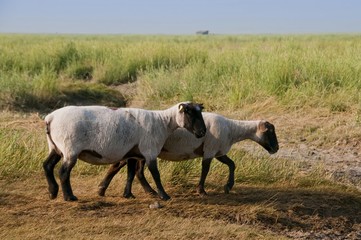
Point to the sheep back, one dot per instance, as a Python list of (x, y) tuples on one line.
[(107, 132)]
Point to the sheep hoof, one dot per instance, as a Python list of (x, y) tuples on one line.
[(53, 192), (53, 195), (70, 198), (226, 189), (128, 195), (152, 192), (101, 191), (164, 197), (201, 192)]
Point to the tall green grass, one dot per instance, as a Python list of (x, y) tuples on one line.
[(220, 71), (296, 71)]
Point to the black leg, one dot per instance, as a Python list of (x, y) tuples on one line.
[(64, 174), (153, 168), (112, 171), (48, 166), (143, 181), (229, 162), (206, 163), (132, 164)]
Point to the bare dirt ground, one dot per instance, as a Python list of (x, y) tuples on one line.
[(329, 140), (248, 212)]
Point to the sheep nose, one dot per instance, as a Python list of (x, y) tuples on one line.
[(275, 149)]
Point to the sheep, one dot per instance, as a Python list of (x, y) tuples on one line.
[(101, 135), (221, 134)]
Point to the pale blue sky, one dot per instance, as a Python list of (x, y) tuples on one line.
[(180, 17)]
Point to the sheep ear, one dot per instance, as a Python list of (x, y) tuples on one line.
[(181, 108), (262, 127)]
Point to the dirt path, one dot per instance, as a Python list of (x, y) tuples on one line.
[(342, 163)]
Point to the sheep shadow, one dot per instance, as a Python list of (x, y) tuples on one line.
[(281, 209)]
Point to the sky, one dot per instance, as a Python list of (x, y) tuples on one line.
[(180, 17)]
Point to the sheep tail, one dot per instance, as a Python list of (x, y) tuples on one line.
[(47, 128), (47, 122), (48, 133)]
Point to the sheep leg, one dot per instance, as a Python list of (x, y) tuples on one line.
[(143, 181), (206, 163), (64, 174), (48, 166), (229, 162), (152, 165), (131, 167), (112, 171)]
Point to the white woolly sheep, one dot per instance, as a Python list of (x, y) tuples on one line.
[(221, 134), (101, 135)]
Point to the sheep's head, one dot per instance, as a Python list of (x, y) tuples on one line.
[(267, 136), (190, 117)]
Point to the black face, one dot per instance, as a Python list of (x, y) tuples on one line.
[(194, 120), (269, 139)]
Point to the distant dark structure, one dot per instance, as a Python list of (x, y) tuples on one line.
[(202, 32)]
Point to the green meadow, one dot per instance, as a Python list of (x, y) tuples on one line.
[(225, 72)]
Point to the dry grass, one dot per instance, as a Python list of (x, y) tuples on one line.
[(248, 212), (28, 213)]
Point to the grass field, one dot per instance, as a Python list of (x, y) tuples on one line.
[(308, 86), (235, 71)]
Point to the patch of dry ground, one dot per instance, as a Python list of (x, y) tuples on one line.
[(319, 138), (27, 213), (248, 212)]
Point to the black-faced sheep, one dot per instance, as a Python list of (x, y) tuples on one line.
[(221, 134), (101, 135)]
